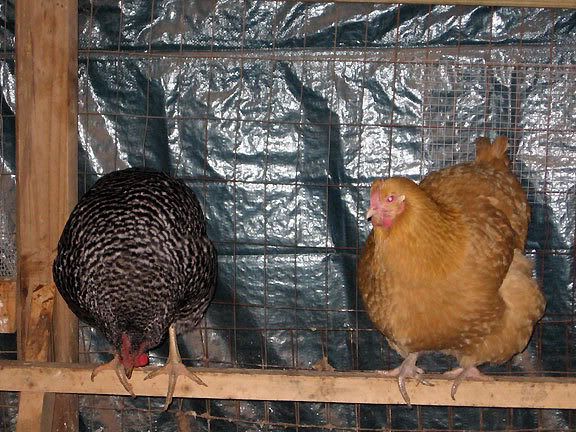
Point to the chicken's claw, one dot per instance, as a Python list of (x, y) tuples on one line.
[(115, 365), (173, 368), (460, 374), (407, 369)]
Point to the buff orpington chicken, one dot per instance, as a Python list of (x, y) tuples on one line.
[(444, 267)]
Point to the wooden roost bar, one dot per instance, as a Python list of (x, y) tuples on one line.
[(47, 68)]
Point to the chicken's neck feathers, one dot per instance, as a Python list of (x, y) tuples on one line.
[(427, 236)]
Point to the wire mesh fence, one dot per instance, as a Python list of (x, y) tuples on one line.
[(279, 115), (8, 400)]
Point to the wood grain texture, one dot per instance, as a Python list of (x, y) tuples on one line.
[(28, 418), (46, 141), (46, 127), (39, 319), (341, 387), (7, 306), (32, 415)]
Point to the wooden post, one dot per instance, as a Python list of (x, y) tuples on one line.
[(31, 413), (46, 139), (7, 306)]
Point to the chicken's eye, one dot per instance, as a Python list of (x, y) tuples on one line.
[(390, 198)]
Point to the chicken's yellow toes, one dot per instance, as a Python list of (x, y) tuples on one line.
[(117, 367), (173, 370)]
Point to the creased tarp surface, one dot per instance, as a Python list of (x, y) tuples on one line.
[(279, 115)]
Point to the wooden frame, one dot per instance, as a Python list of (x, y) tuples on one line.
[(46, 156), (289, 385), (7, 306), (46, 74)]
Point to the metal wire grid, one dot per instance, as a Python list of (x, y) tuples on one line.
[(241, 329), (295, 416), (7, 147), (8, 400), (238, 329)]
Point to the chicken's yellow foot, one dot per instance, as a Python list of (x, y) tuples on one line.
[(407, 369), (117, 367), (460, 374), (173, 368)]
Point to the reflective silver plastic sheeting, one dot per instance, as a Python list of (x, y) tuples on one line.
[(279, 115)]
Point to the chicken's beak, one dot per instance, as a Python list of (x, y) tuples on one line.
[(370, 213)]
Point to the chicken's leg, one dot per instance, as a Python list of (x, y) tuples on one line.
[(407, 369), (460, 374), (117, 367), (173, 368)]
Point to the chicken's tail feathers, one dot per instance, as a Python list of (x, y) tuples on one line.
[(524, 306), (492, 152), (520, 291)]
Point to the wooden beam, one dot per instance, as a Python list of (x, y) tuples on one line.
[(39, 319), (7, 306), (38, 314), (29, 420), (46, 141), (556, 4), (306, 386)]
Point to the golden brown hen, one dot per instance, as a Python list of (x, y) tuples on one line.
[(443, 268)]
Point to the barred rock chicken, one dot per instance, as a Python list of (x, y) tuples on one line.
[(135, 262), (443, 268)]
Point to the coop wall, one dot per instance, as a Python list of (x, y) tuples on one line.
[(279, 115)]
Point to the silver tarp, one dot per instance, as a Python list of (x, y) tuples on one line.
[(279, 115)]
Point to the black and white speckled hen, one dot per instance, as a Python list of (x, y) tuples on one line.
[(135, 262)]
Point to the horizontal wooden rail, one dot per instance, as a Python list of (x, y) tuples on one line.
[(340, 387)]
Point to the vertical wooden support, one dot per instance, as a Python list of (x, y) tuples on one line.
[(7, 306), (46, 139)]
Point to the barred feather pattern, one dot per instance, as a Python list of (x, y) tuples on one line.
[(134, 257)]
